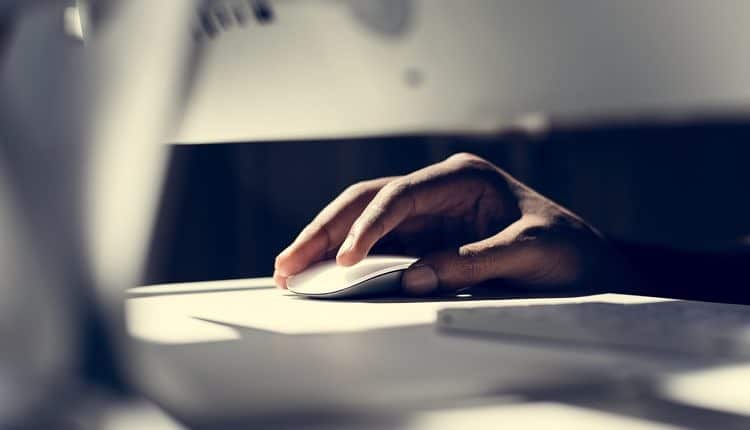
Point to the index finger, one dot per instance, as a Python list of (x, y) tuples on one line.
[(442, 188), (326, 231)]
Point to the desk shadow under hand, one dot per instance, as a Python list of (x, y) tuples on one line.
[(476, 293)]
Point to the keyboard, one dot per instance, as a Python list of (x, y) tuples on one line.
[(681, 327)]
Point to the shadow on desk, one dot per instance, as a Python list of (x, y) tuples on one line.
[(477, 293)]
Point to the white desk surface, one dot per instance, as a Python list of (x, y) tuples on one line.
[(242, 349)]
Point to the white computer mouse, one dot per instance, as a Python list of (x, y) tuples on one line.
[(376, 275)]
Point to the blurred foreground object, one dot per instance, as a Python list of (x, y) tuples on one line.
[(86, 98)]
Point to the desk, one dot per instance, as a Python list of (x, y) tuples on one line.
[(220, 354)]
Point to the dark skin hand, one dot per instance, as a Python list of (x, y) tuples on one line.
[(469, 222)]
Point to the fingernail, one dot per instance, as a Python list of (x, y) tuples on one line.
[(279, 280), (420, 279), (346, 246), (280, 257), (280, 271)]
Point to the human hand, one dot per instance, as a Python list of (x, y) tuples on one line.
[(469, 221)]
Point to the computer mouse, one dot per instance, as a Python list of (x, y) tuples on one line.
[(374, 276)]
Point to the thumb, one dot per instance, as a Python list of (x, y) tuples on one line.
[(518, 253)]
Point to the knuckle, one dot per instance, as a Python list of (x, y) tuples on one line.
[(467, 158), (314, 227), (470, 269), (364, 189), (389, 195), (472, 165), (280, 260), (397, 194), (357, 188), (394, 188), (323, 229)]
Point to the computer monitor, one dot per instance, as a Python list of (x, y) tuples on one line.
[(326, 69)]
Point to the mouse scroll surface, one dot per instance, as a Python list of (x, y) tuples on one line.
[(375, 275)]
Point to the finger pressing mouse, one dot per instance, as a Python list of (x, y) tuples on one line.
[(491, 226)]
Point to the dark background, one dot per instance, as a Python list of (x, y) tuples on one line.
[(228, 209)]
